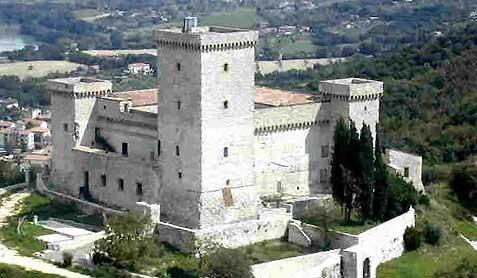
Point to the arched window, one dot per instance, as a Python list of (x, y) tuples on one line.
[(227, 182), (366, 268), (178, 66)]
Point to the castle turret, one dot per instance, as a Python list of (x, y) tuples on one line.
[(72, 101), (354, 99), (205, 122)]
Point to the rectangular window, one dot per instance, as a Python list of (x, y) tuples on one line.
[(227, 195), (125, 149), (325, 151), (139, 189), (406, 172), (323, 175), (86, 178), (103, 180), (65, 127), (121, 185)]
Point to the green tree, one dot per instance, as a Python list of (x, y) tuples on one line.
[(128, 239), (366, 173), (380, 183), (226, 263), (464, 182), (338, 161), (401, 196)]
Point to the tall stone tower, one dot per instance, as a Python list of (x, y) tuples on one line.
[(205, 123), (72, 102)]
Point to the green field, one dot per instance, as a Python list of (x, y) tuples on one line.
[(242, 18), (37, 68), (446, 212)]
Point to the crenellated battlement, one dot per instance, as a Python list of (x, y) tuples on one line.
[(206, 39), (79, 87)]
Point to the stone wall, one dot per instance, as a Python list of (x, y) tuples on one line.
[(271, 224), (318, 265), (291, 150), (399, 161), (378, 245)]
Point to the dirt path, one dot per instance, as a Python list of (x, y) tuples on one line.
[(9, 256)]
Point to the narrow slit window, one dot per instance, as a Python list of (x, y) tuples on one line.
[(158, 148), (178, 66), (178, 151), (179, 105), (179, 175), (125, 150), (226, 152), (65, 127), (226, 67), (226, 104), (103, 180), (121, 185)]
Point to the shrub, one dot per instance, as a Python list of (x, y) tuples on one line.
[(463, 182), (432, 234), (67, 259), (226, 263), (412, 239), (424, 200), (177, 272)]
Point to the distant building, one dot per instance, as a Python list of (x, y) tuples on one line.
[(9, 103), (140, 69)]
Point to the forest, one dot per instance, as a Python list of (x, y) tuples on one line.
[(430, 102)]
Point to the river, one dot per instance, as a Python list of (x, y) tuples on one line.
[(9, 42)]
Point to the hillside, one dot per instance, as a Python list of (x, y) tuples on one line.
[(429, 106), (432, 261)]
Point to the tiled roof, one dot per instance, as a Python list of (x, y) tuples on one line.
[(265, 96), (274, 97), (37, 157), (139, 97)]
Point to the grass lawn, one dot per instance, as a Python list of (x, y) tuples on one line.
[(46, 207), (336, 221), (241, 18), (9, 271), (446, 212), (25, 244), (291, 46), (271, 250)]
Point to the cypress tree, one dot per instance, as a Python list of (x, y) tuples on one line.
[(351, 171), (366, 172), (381, 182), (341, 142)]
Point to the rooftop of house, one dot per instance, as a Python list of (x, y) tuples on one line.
[(139, 97), (265, 97), (37, 157)]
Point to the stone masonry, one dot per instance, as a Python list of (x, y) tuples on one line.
[(208, 143)]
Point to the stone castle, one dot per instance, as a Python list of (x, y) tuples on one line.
[(208, 144)]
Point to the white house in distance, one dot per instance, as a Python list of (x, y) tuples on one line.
[(140, 69)]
